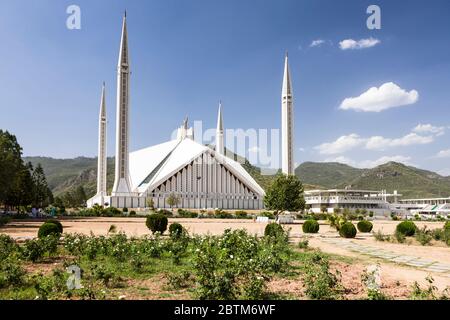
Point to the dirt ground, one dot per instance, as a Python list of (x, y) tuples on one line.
[(396, 276)]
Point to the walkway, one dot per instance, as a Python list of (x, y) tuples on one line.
[(420, 263)]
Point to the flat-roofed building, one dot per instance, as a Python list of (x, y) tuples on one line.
[(426, 207), (375, 201)]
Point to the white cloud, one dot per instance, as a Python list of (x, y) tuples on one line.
[(388, 95), (444, 172), (359, 44), (428, 128), (443, 154), (377, 143), (316, 43), (370, 163), (381, 143), (302, 149), (341, 145)]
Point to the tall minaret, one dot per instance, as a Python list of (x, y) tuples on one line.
[(287, 122), (101, 165), (220, 148), (122, 184)]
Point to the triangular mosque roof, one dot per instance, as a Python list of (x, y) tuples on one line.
[(153, 165)]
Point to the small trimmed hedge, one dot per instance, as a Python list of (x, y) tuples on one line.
[(157, 222), (187, 214), (4, 220), (364, 226), (48, 228), (175, 230), (406, 228), (273, 230), (347, 230), (132, 213), (310, 226), (58, 224)]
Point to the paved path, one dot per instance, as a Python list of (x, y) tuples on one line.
[(420, 263)]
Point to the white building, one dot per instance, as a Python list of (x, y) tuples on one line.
[(427, 207), (374, 201), (200, 176)]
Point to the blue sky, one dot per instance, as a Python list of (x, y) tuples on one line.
[(186, 55)]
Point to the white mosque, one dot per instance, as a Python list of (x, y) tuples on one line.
[(200, 176)]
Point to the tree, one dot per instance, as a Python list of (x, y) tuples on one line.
[(80, 196), (42, 194), (22, 191), (10, 164), (58, 202), (285, 194), (150, 203), (75, 198), (173, 200), (20, 184)]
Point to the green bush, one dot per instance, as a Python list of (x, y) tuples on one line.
[(48, 228), (347, 230), (165, 212), (241, 214), (379, 236), (7, 246), (36, 249), (236, 265), (447, 225), (4, 220), (273, 230), (400, 237), (364, 226), (157, 222), (187, 214), (320, 282), (11, 273), (310, 226), (175, 230), (58, 224), (220, 214), (303, 244), (111, 212), (267, 214), (406, 228), (132, 213), (320, 216), (125, 209), (423, 237)]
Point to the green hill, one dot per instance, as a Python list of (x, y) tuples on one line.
[(327, 174), (66, 174), (409, 181)]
